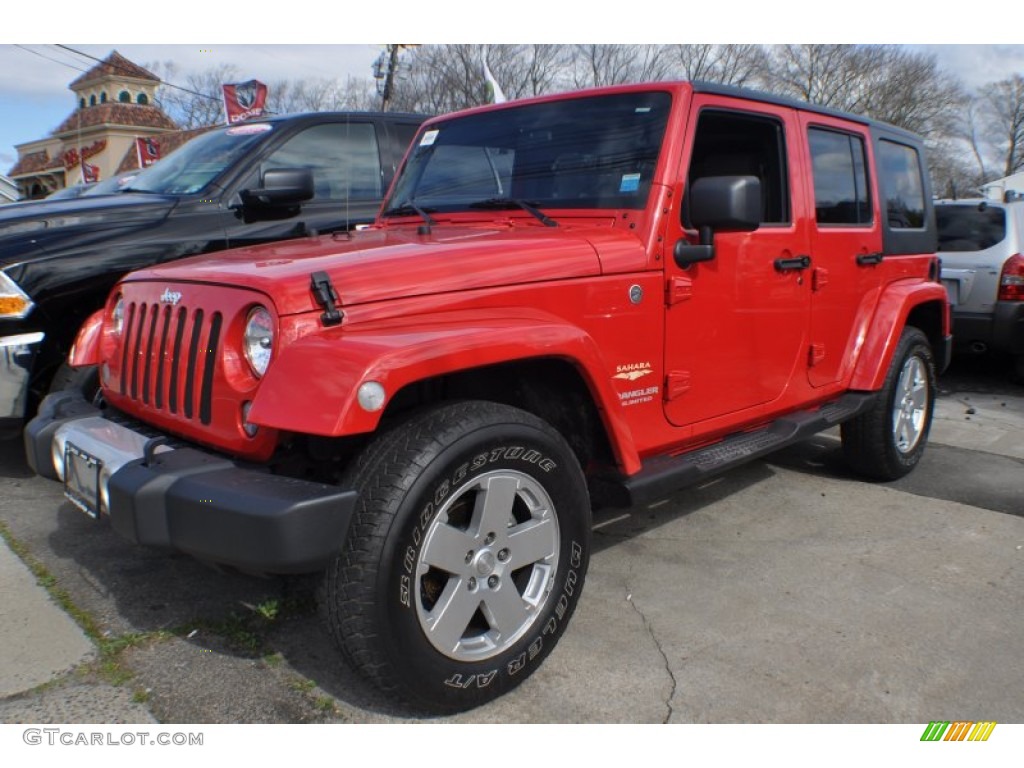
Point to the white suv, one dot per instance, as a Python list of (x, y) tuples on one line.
[(981, 243)]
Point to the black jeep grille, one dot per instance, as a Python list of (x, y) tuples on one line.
[(169, 355)]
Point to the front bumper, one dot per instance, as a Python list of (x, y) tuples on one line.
[(17, 354), (190, 500)]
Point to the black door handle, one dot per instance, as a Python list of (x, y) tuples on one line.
[(865, 259), (797, 262)]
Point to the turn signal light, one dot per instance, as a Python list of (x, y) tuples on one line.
[(14, 306)]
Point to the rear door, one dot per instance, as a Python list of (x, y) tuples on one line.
[(846, 244)]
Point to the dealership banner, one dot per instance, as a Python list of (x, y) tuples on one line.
[(148, 150), (90, 173), (244, 100)]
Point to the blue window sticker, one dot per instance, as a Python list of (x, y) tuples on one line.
[(630, 182)]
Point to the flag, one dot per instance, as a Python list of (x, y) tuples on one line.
[(90, 173), (494, 92), (148, 150), (244, 100)]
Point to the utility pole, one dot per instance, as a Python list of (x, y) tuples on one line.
[(385, 69)]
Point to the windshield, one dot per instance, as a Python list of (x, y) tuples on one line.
[(593, 152), (191, 168)]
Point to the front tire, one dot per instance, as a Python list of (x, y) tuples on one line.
[(465, 557), (888, 441), (85, 380)]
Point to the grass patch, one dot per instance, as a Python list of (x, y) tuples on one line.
[(273, 660), (48, 581), (268, 609), (303, 685), (247, 631), (110, 665), (324, 703)]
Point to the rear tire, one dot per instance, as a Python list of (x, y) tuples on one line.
[(887, 442), (465, 557)]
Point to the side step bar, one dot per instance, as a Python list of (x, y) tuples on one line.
[(663, 475)]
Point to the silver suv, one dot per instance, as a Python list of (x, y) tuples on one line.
[(981, 243)]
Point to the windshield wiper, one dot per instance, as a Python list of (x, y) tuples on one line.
[(410, 207), (498, 203)]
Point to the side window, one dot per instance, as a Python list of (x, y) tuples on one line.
[(734, 144), (841, 192), (900, 174), (343, 156)]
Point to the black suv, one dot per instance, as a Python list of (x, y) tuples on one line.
[(244, 184)]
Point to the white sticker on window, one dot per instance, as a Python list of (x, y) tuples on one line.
[(429, 138), (630, 182)]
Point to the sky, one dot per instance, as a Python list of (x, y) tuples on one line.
[(335, 40)]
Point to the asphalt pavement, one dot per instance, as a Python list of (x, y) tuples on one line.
[(787, 591)]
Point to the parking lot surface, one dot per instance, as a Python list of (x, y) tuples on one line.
[(785, 592)]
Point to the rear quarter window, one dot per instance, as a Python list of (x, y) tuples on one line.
[(969, 227), (902, 185)]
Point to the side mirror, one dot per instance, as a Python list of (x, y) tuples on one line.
[(719, 204), (282, 187)]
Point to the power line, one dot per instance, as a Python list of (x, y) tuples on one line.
[(49, 58), (123, 70)]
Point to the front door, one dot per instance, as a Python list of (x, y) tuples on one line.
[(737, 325)]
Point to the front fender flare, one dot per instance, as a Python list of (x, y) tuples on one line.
[(311, 387), (86, 349)]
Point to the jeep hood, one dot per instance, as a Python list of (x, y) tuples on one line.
[(378, 265), (43, 227)]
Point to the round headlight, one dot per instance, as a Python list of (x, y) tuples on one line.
[(258, 342), (117, 316)]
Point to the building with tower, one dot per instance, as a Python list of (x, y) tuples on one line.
[(115, 103)]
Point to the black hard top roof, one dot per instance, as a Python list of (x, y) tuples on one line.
[(700, 86)]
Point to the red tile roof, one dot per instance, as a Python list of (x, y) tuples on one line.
[(168, 143), (33, 162), (114, 65), (116, 113)]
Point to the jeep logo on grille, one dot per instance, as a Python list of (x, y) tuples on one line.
[(170, 297)]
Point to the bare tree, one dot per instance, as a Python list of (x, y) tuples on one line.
[(599, 64), (195, 100), (953, 171), (886, 82), (319, 95), (1003, 103), (740, 65), (820, 74), (910, 90), (442, 78), (527, 70)]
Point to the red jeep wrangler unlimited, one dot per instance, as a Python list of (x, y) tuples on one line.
[(596, 297)]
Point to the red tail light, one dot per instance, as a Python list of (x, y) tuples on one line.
[(1011, 282)]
